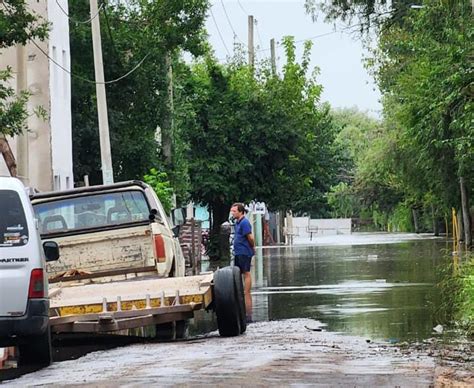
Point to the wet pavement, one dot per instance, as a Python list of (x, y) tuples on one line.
[(280, 353), (336, 312)]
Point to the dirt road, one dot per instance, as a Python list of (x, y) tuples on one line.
[(280, 353)]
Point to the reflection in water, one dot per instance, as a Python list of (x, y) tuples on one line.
[(379, 291)]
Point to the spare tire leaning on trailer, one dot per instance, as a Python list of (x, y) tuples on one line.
[(229, 302)]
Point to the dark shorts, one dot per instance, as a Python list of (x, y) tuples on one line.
[(243, 262)]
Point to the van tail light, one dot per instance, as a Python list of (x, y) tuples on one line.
[(36, 284), (159, 245)]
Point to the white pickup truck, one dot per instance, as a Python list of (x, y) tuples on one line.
[(122, 268), (112, 232)]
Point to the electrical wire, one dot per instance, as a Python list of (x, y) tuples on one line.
[(79, 21), (258, 33), (219, 32), (230, 24), (86, 79), (78, 76), (242, 8)]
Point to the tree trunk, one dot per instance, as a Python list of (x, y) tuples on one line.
[(435, 221), (466, 216), (415, 220), (460, 226), (219, 244), (8, 156)]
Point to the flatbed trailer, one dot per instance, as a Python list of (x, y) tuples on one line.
[(117, 307)]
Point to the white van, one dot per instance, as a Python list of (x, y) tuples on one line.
[(24, 303)]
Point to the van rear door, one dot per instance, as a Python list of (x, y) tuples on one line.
[(15, 260)]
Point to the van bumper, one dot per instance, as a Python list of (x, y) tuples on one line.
[(34, 322)]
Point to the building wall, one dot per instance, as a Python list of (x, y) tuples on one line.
[(60, 87), (49, 138)]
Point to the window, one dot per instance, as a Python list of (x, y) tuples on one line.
[(13, 226), (92, 212)]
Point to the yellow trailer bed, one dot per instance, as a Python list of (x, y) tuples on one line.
[(107, 307)]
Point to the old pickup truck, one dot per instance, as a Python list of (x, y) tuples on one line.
[(109, 232), (121, 266)]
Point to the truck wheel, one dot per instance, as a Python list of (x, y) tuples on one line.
[(182, 328), (239, 289), (165, 331), (172, 273), (226, 303), (36, 350)]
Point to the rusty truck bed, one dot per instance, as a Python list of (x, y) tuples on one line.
[(108, 307)]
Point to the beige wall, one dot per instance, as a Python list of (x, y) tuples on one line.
[(39, 83)]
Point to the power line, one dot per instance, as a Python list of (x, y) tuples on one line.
[(230, 24), (219, 31), (258, 33), (78, 76), (316, 36), (79, 21), (86, 79), (242, 7)]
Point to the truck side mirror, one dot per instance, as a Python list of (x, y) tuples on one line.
[(51, 250), (176, 230), (152, 215)]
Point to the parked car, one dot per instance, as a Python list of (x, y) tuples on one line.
[(24, 303)]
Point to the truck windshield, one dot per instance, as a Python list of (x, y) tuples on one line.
[(91, 212), (13, 225)]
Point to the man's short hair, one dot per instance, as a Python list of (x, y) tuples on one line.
[(240, 207)]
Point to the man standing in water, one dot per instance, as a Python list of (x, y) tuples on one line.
[(244, 249)]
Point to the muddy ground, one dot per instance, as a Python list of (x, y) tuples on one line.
[(296, 352)]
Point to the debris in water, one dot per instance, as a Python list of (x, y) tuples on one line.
[(438, 329), (314, 328)]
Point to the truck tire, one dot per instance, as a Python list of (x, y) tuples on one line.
[(182, 329), (172, 273), (226, 302), (36, 350), (165, 331), (239, 289)]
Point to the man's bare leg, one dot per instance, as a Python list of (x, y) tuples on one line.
[(248, 296)]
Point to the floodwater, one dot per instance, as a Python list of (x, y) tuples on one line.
[(385, 291)]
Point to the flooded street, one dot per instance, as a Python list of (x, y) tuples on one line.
[(381, 291), (331, 314)]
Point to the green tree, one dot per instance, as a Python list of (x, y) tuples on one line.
[(17, 26), (254, 135), (143, 34), (424, 68), (161, 185)]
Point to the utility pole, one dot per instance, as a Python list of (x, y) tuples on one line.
[(168, 123), (105, 152), (272, 54), (22, 140), (250, 40)]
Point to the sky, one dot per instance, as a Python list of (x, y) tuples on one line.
[(338, 55)]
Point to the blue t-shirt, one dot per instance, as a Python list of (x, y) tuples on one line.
[(241, 243)]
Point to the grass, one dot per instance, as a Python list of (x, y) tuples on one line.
[(457, 294)]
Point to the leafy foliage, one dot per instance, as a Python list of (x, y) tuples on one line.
[(161, 185), (423, 66), (138, 32), (255, 135), (17, 26), (457, 294)]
